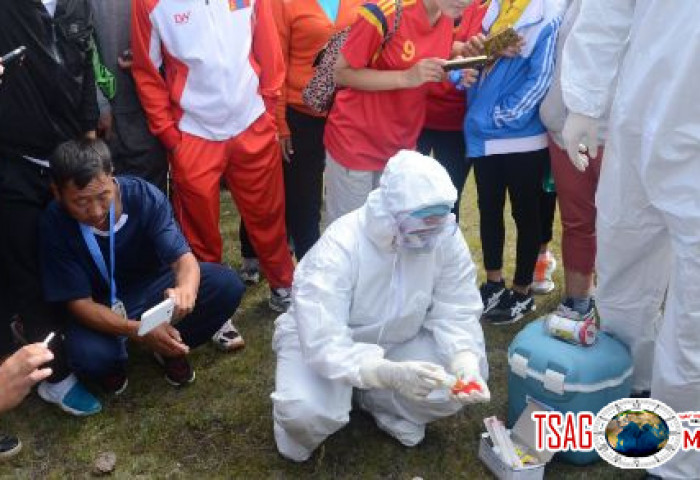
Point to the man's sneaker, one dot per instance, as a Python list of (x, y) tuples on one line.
[(70, 395), (545, 266), (17, 329), (9, 446), (227, 338), (250, 271), (566, 309), (114, 383), (178, 371), (491, 293), (512, 307), (280, 299)]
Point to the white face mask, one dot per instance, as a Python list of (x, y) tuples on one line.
[(421, 235)]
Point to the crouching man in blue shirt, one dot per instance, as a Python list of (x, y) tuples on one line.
[(110, 250)]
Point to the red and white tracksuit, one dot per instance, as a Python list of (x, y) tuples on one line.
[(214, 110)]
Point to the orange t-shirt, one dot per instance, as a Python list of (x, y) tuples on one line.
[(304, 28), (366, 128), (447, 105)]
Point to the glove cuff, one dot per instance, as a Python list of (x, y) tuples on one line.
[(369, 373), (465, 361)]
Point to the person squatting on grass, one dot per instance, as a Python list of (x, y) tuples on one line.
[(381, 306), (110, 249), (382, 108)]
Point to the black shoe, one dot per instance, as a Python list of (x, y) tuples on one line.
[(114, 383), (9, 446), (178, 371), (491, 293), (511, 307)]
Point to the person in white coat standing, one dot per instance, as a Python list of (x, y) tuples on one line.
[(382, 305), (648, 196)]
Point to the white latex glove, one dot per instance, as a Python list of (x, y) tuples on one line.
[(465, 366), (580, 130), (414, 380)]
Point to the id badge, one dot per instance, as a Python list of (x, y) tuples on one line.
[(119, 308)]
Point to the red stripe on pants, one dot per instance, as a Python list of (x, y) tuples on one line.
[(252, 168)]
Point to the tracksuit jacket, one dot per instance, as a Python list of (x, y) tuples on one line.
[(213, 87), (51, 97), (503, 114)]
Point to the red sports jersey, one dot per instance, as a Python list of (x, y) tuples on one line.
[(447, 105), (365, 129)]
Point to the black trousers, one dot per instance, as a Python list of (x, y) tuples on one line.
[(303, 184), (449, 149), (135, 151), (24, 193), (520, 175), (548, 207)]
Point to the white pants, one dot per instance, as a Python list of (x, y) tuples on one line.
[(346, 190), (648, 229), (308, 408)]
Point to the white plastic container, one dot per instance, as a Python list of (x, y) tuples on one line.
[(523, 433)]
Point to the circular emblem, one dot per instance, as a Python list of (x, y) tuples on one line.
[(637, 433)]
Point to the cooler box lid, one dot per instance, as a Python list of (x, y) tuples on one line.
[(566, 368)]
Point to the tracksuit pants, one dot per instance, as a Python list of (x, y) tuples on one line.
[(251, 166), (303, 184)]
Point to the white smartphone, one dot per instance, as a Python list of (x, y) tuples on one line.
[(161, 313)]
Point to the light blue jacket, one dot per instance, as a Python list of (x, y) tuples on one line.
[(503, 113)]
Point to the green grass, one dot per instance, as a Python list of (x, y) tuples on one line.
[(221, 426)]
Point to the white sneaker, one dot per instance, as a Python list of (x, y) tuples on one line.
[(545, 266), (280, 299), (227, 338)]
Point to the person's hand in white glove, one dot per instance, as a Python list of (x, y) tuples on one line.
[(581, 139), (465, 366), (414, 380)]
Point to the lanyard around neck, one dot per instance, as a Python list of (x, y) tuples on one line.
[(97, 256)]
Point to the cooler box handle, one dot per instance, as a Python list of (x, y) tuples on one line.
[(518, 364), (554, 381)]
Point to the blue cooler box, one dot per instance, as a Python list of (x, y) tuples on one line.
[(566, 377)]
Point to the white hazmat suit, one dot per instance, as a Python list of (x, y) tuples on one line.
[(648, 197), (358, 298)]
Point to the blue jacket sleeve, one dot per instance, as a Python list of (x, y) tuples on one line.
[(517, 109)]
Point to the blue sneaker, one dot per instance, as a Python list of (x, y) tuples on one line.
[(76, 400)]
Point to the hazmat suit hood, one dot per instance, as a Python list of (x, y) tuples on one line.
[(411, 181)]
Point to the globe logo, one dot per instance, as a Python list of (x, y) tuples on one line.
[(637, 433)]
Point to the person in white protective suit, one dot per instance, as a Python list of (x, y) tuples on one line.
[(648, 196), (382, 305)]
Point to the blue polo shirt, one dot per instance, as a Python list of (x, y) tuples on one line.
[(146, 242)]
